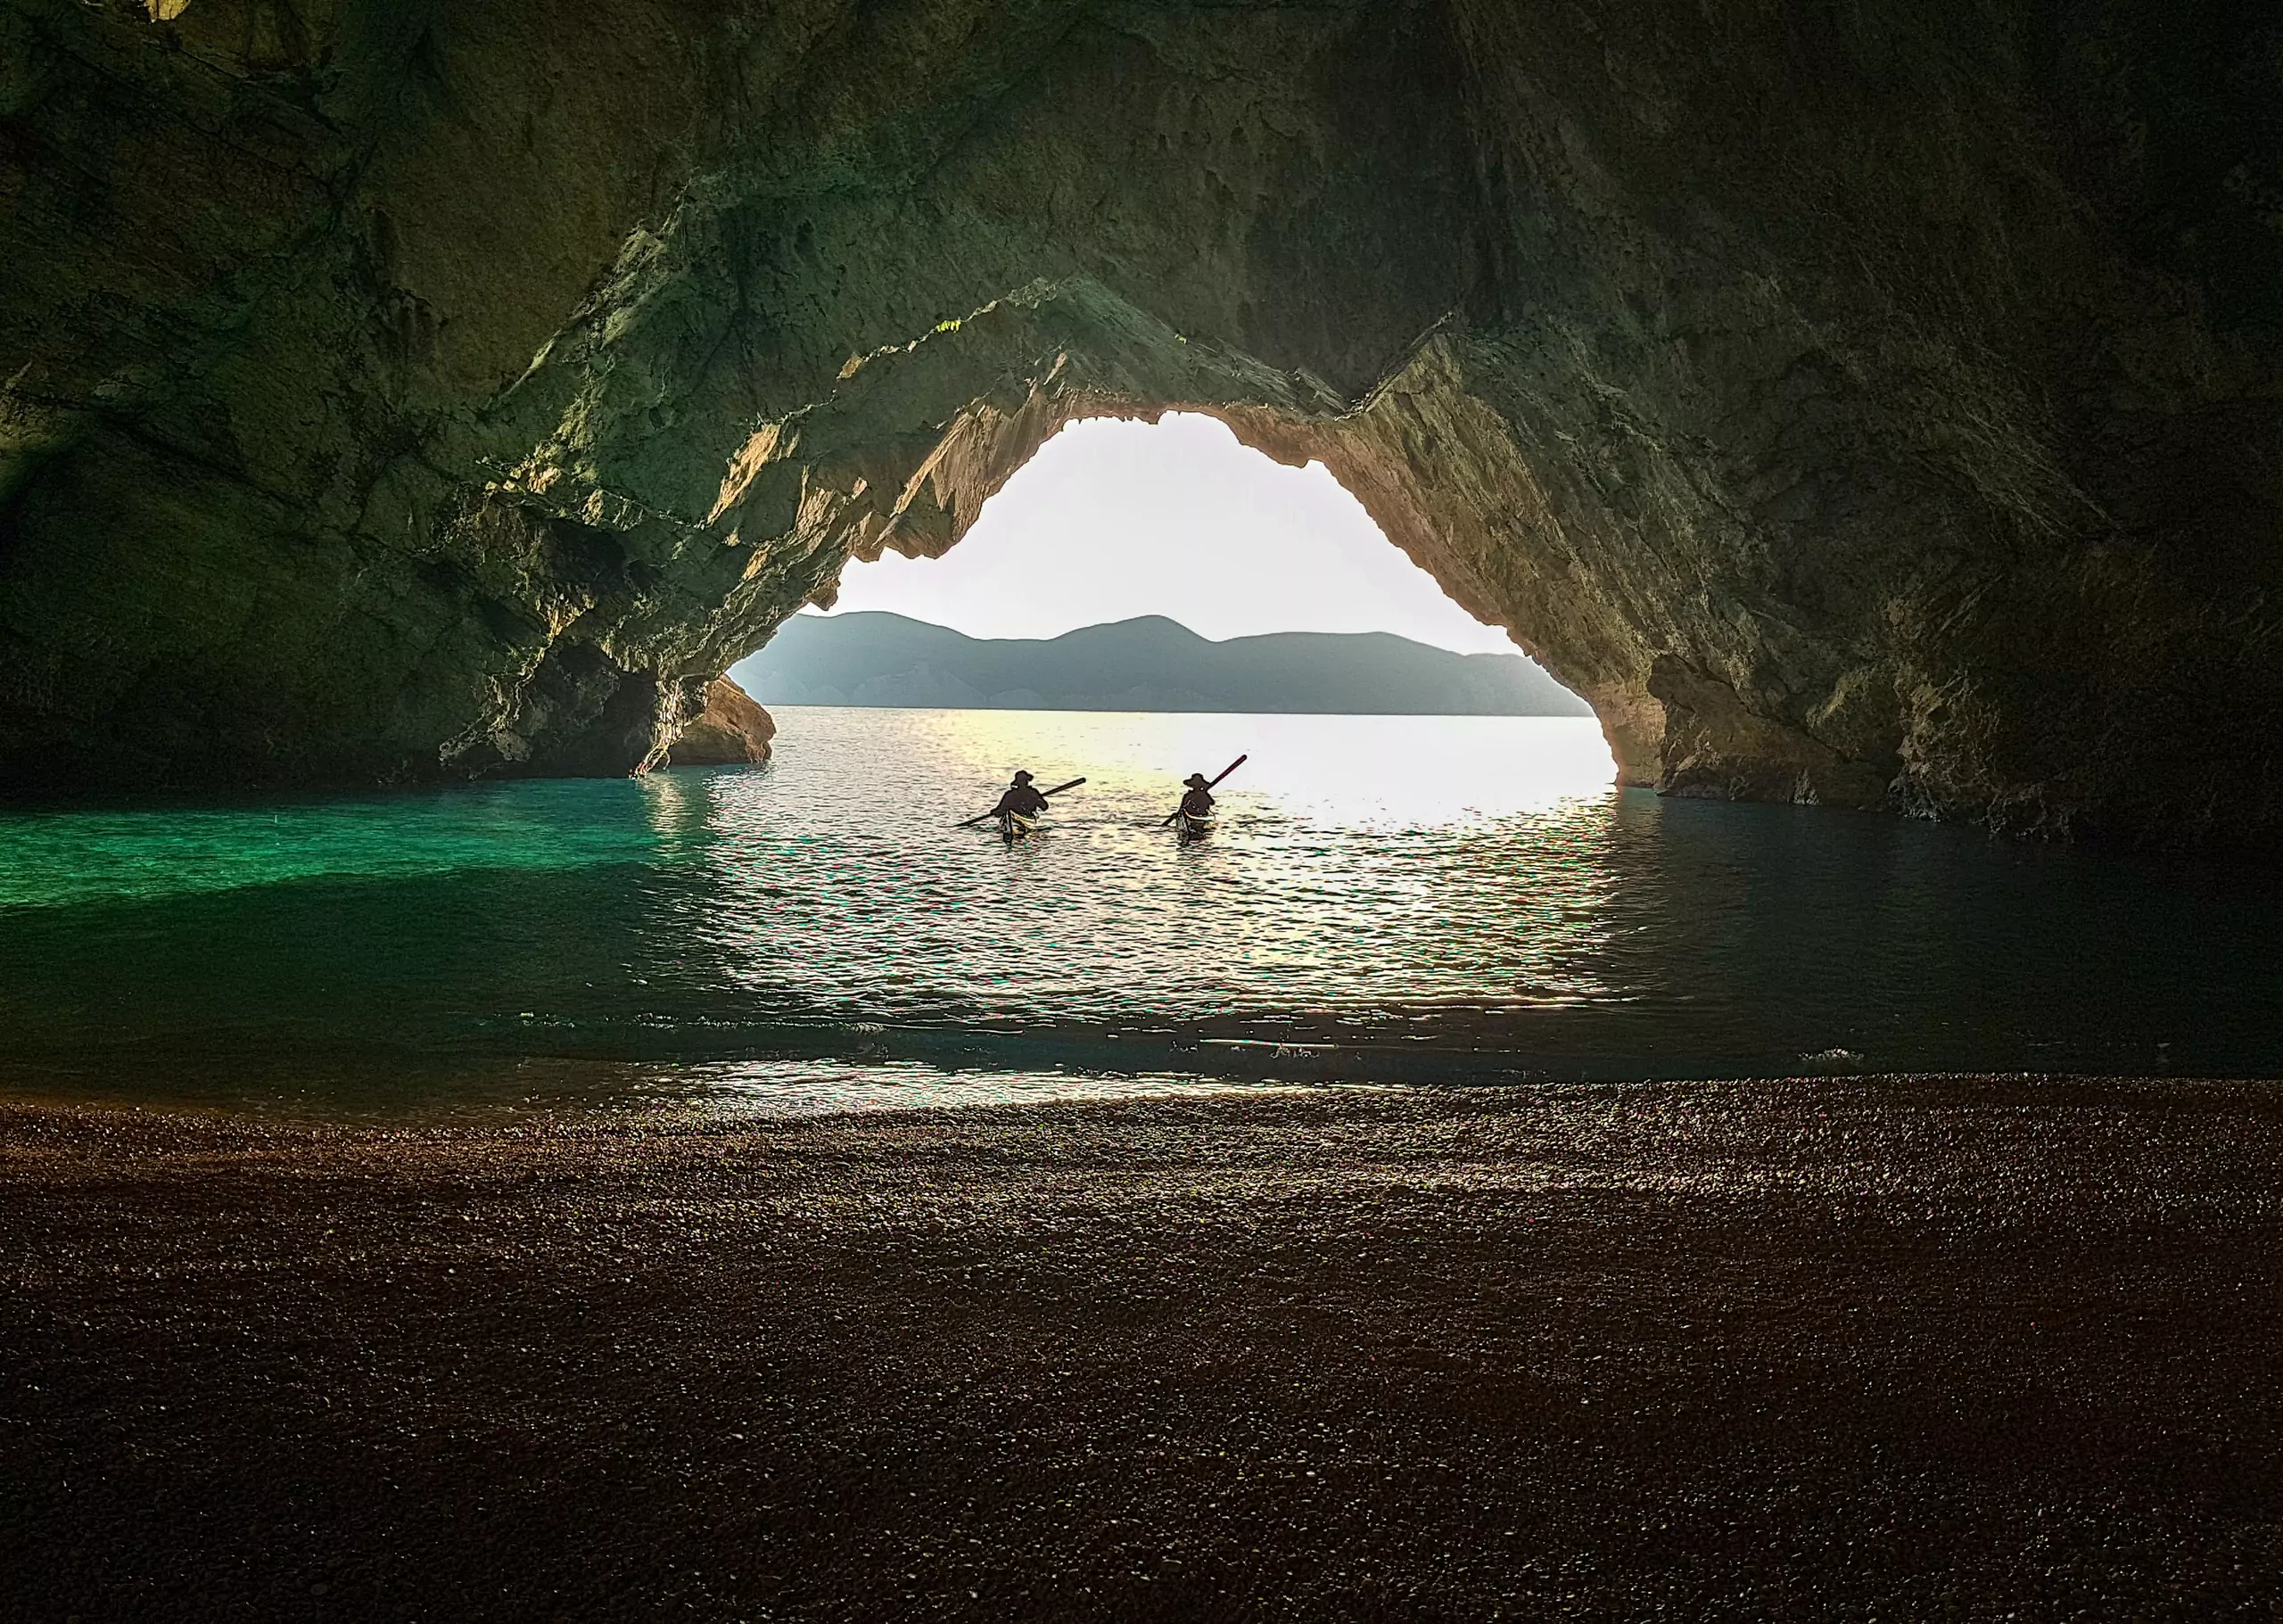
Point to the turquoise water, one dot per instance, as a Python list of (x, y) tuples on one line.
[(1387, 899)]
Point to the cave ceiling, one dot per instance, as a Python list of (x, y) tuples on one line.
[(1872, 404)]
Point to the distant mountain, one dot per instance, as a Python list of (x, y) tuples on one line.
[(1152, 663)]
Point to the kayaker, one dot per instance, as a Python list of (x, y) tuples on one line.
[(1020, 799), (1196, 808), (1021, 802)]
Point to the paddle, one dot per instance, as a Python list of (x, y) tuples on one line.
[(1225, 771), (987, 816)]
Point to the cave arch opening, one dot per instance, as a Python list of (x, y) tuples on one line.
[(1116, 517), (1160, 563)]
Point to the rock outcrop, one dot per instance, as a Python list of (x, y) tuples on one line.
[(731, 731), (1874, 403)]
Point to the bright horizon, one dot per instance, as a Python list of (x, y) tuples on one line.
[(1114, 519)]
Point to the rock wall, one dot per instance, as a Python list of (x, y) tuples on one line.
[(731, 731), (1874, 403)]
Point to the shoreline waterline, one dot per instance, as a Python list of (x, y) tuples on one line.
[(735, 1097)]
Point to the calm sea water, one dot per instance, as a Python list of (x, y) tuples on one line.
[(1387, 899)]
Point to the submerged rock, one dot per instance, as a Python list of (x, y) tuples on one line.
[(1871, 405), (731, 731)]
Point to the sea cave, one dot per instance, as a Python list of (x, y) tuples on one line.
[(1874, 405), (481, 1137)]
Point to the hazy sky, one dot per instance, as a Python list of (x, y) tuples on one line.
[(1111, 520)]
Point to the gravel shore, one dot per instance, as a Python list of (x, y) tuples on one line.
[(1895, 1347)]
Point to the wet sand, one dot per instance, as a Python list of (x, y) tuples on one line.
[(1888, 1348)]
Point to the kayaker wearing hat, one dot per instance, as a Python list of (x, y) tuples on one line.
[(1196, 808), (1020, 799)]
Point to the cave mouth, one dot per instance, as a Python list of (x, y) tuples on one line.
[(912, 440), (1163, 566), (1115, 518)]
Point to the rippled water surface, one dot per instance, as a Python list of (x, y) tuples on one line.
[(1386, 899)]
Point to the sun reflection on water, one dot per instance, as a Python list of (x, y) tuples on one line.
[(1356, 859)]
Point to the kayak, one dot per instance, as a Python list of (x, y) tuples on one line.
[(1016, 825), (1194, 827)]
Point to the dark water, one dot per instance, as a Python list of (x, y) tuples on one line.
[(1387, 899)]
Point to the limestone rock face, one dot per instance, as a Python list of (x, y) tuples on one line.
[(731, 731), (1874, 403)]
